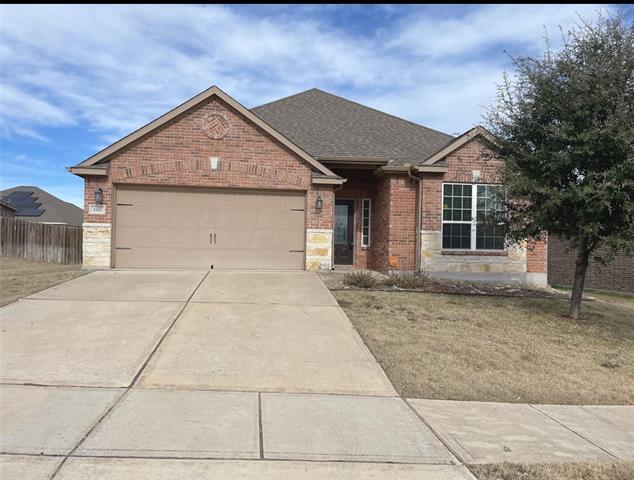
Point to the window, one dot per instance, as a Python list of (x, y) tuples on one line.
[(365, 222), (488, 237), (465, 213)]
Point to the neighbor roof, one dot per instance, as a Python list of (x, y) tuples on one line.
[(33, 203), (8, 205), (332, 128)]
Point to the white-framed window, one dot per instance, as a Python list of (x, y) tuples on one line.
[(462, 205), (366, 216)]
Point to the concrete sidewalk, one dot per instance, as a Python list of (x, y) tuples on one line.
[(157, 375), (485, 432)]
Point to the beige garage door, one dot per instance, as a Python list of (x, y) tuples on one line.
[(169, 228)]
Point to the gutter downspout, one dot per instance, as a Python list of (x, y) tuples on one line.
[(419, 201)]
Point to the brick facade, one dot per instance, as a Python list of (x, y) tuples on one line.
[(474, 162), (618, 275), (177, 154), (537, 257), (402, 224), (393, 219), (380, 249)]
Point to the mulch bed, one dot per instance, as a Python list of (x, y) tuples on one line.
[(462, 288)]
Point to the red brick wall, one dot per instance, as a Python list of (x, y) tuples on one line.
[(90, 185), (315, 218), (178, 154), (431, 215), (618, 275), (403, 193), (537, 257), (380, 250)]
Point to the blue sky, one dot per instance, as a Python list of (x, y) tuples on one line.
[(76, 78)]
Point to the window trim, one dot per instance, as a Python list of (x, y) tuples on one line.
[(363, 225), (473, 222)]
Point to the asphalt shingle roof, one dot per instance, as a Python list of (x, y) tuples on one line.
[(327, 126), (55, 209)]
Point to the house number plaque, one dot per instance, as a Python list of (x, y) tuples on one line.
[(97, 209)]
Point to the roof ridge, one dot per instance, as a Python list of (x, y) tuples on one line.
[(285, 98), (380, 111)]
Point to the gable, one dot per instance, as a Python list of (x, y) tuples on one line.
[(477, 133), (179, 152), (212, 128)]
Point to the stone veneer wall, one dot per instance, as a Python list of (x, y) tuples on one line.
[(96, 245), (318, 249), (433, 260)]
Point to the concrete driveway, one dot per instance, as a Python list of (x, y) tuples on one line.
[(133, 374)]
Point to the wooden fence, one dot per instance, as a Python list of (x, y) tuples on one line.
[(41, 242)]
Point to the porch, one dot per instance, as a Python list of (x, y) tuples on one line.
[(374, 221)]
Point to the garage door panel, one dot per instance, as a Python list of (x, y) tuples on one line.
[(163, 258), (163, 237), (164, 228), (260, 219), (201, 258), (150, 216), (203, 199), (259, 239), (203, 238)]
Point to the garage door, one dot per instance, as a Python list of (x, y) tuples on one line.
[(168, 228)]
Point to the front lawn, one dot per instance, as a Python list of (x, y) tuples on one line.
[(566, 471), (20, 278), (464, 347)]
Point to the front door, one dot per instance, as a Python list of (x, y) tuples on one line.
[(344, 232)]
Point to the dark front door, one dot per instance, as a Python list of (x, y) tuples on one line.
[(344, 232)]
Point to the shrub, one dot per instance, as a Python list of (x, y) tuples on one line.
[(360, 278), (406, 280)]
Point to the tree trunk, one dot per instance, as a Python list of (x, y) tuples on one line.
[(581, 266)]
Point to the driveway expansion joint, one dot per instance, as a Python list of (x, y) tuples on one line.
[(458, 457), (134, 380), (166, 333), (575, 432)]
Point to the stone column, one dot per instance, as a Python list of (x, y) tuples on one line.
[(96, 245)]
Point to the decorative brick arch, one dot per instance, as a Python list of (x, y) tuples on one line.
[(156, 170)]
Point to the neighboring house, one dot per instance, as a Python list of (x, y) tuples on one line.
[(617, 275), (33, 203), (310, 181), (6, 209)]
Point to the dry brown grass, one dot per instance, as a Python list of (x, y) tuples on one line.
[(497, 348), (566, 471), (20, 278)]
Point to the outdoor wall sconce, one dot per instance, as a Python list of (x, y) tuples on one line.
[(319, 203), (99, 196)]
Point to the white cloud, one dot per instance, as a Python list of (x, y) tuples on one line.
[(490, 25), (111, 69), (22, 111)]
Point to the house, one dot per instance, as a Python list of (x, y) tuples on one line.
[(312, 181), (33, 203), (6, 209)]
